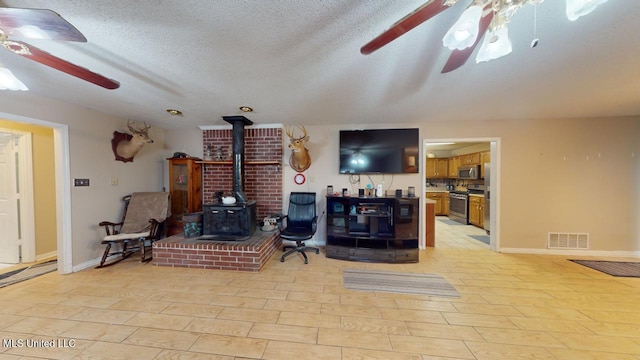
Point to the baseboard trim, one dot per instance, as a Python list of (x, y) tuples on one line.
[(570, 252), (52, 254), (86, 265)]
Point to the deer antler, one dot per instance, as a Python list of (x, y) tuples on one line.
[(291, 133), (140, 130)]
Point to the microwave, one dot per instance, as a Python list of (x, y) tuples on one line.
[(469, 172)]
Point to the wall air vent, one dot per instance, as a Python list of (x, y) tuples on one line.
[(560, 240)]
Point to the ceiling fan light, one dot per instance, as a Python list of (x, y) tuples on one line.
[(465, 31), (495, 45), (578, 8), (9, 82)]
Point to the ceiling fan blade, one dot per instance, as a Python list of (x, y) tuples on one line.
[(43, 57), (38, 24), (460, 57), (417, 17)]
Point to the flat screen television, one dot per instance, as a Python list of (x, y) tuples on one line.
[(379, 151)]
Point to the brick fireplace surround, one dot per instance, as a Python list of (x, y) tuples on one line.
[(263, 183)]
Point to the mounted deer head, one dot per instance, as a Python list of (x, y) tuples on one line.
[(126, 146), (299, 159)]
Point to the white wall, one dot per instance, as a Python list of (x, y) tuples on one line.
[(90, 156), (557, 175), (577, 175)]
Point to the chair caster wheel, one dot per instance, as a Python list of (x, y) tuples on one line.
[(282, 259), (317, 251), (306, 261)]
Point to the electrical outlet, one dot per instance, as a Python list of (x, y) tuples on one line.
[(80, 182), (114, 181)]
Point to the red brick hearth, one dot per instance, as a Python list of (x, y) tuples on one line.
[(248, 255), (263, 183)]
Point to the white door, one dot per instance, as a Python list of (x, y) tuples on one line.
[(10, 233)]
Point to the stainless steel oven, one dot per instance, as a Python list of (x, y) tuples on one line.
[(459, 207)]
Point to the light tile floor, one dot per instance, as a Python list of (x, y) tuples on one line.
[(511, 307)]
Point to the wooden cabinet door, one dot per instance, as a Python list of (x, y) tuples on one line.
[(437, 197), (437, 168), (185, 188), (485, 158), (474, 210), (454, 162), (431, 169), (481, 213), (442, 170), (470, 159), (445, 204)]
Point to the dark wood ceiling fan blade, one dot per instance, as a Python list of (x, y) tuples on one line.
[(417, 17), (460, 57), (45, 58), (38, 24)]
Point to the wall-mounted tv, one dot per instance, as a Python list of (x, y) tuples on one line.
[(386, 151)]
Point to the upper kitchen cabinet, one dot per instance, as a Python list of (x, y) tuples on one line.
[(485, 158), (470, 159), (437, 168), (454, 162)]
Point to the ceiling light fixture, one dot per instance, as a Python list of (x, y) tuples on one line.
[(174, 112), (246, 109), (464, 32), (577, 8), (8, 81), (496, 44)]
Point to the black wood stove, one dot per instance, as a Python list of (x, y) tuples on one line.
[(236, 221)]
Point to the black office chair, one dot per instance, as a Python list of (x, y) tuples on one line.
[(299, 224)]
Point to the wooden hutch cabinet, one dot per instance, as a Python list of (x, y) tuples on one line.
[(185, 187)]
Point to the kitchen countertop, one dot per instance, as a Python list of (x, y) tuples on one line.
[(477, 195)]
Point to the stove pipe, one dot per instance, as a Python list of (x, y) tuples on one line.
[(238, 123)]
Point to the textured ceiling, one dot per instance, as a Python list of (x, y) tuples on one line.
[(298, 62)]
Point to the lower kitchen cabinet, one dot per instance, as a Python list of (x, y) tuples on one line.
[(476, 211), (442, 202)]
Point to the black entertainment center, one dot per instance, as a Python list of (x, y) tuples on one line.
[(377, 229)]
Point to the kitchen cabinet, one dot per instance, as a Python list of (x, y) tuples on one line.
[(476, 211), (185, 187), (485, 158), (445, 204), (440, 207), (437, 168), (470, 159), (454, 162)]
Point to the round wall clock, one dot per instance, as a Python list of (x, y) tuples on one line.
[(299, 179)]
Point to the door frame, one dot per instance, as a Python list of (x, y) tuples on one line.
[(62, 187), (495, 145), (27, 212)]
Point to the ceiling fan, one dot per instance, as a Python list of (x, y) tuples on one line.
[(466, 33), (45, 24)]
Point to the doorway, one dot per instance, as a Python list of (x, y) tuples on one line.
[(447, 148), (62, 187), (17, 240)]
